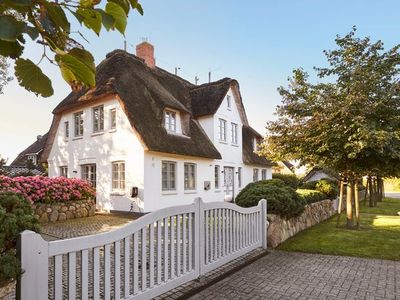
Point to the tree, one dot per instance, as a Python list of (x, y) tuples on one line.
[(4, 78), (48, 23), (349, 121)]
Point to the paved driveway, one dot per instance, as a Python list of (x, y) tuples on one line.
[(290, 275)]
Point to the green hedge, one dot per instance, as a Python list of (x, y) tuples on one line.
[(282, 199), (15, 216), (311, 196), (327, 186), (290, 180)]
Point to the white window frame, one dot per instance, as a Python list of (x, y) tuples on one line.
[(222, 130), (88, 173), (66, 129), (234, 133), (229, 102), (170, 119), (170, 174), (98, 119), (64, 171), (190, 176), (263, 174), (118, 176), (217, 176), (239, 177), (255, 174), (78, 124), (113, 118)]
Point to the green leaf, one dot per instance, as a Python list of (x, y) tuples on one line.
[(85, 57), (91, 19), (118, 14), (57, 15), (10, 49), (10, 28), (107, 20), (82, 72), (124, 4), (32, 32), (31, 77), (136, 5)]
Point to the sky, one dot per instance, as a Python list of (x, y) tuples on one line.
[(257, 42)]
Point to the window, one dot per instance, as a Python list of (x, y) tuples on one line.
[(229, 102), (64, 171), (66, 129), (216, 176), (118, 176), (113, 118), (239, 177), (255, 144), (263, 174), (234, 139), (222, 130), (78, 118), (98, 118), (32, 158), (168, 175), (255, 175), (170, 121), (89, 173), (190, 176)]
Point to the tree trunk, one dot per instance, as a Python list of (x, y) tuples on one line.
[(371, 191), (374, 191), (349, 206), (379, 188), (341, 192), (356, 203), (366, 193)]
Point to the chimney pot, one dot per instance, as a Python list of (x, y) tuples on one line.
[(145, 51)]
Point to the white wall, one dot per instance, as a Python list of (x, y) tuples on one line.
[(102, 149)]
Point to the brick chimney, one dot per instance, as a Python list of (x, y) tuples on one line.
[(145, 51)]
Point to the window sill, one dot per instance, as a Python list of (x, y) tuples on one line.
[(77, 138), (223, 142), (112, 130), (190, 192), (97, 133), (217, 190), (177, 134), (169, 193), (117, 194), (234, 145)]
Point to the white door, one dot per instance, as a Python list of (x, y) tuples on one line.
[(229, 183)]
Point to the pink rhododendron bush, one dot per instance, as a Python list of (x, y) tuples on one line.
[(48, 190)]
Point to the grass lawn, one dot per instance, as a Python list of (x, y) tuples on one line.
[(378, 236)]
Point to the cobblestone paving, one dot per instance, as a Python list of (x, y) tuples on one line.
[(290, 275), (85, 226)]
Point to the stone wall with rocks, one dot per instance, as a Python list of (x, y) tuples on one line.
[(53, 212), (280, 229)]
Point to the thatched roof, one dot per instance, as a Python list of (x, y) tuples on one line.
[(144, 93), (249, 156), (35, 148)]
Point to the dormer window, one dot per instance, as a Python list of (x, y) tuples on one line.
[(32, 158), (170, 120), (229, 102)]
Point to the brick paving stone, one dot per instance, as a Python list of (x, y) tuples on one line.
[(291, 275)]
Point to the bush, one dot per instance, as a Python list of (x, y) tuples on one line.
[(282, 199), (327, 186), (290, 180), (45, 189), (311, 196), (15, 216)]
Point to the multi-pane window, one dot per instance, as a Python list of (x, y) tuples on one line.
[(170, 120), (263, 174), (64, 171), (32, 158), (168, 175), (216, 176), (222, 130), (78, 123), (190, 176), (98, 118), (89, 173), (229, 102), (66, 129), (234, 139), (118, 176), (113, 118), (255, 175), (239, 177)]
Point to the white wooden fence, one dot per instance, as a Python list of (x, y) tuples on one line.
[(143, 259)]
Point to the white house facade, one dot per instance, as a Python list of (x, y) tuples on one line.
[(147, 139)]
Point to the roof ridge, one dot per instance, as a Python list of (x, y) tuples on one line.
[(219, 81)]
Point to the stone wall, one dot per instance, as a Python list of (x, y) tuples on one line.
[(281, 229), (52, 212)]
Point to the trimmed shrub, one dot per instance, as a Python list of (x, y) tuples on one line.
[(311, 196), (15, 216), (282, 199), (290, 180), (47, 190), (327, 186)]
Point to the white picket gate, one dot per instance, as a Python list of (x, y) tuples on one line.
[(143, 259)]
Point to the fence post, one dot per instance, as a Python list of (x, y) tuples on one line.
[(264, 222), (199, 236), (33, 253)]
